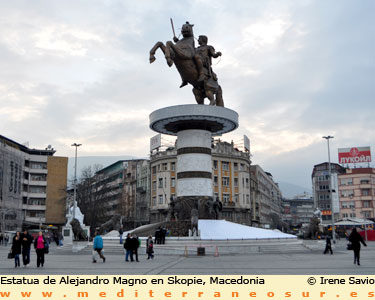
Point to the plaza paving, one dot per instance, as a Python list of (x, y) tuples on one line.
[(313, 262)]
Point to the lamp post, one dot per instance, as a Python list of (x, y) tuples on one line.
[(330, 187), (75, 181)]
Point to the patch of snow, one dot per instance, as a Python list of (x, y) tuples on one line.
[(223, 230)]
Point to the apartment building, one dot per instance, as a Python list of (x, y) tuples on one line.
[(231, 182), (298, 210), (121, 188), (357, 193), (267, 202), (32, 186), (324, 190)]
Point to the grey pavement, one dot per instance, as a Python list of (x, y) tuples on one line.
[(314, 262)]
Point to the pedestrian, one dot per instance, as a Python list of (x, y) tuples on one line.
[(163, 232), (356, 239), (328, 246), (135, 245), (6, 239), (98, 247), (150, 250), (16, 249), (128, 246), (26, 240), (121, 232), (41, 247), (150, 247), (157, 235)]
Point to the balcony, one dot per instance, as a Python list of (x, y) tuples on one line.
[(36, 220), (38, 183), (33, 207)]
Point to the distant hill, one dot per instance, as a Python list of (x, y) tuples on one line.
[(86, 161), (290, 190)]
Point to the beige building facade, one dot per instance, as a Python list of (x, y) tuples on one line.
[(230, 182), (357, 193)]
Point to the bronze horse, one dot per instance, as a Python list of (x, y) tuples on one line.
[(183, 55)]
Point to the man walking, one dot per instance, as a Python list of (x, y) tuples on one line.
[(98, 247), (26, 241)]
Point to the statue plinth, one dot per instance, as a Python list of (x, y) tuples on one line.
[(194, 125)]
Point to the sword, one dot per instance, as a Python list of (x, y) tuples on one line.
[(174, 34)]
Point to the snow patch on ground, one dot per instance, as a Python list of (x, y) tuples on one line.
[(223, 230)]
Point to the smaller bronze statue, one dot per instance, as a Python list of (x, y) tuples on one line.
[(193, 64), (79, 234)]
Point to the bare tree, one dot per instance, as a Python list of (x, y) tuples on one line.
[(90, 196)]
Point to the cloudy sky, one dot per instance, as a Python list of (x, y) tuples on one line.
[(78, 71)]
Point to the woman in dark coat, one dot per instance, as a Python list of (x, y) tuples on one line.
[(356, 239), (16, 248)]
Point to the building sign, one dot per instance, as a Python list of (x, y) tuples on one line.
[(246, 143), (155, 142), (326, 212), (354, 155)]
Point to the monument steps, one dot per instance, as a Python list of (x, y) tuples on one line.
[(183, 246)]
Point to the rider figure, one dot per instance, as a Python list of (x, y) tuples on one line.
[(206, 52), (202, 58)]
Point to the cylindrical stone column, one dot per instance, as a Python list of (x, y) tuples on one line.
[(194, 163)]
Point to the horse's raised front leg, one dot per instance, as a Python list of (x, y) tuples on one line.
[(153, 50)]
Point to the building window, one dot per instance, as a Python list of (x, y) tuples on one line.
[(366, 204), (247, 199), (173, 166), (225, 165), (235, 181), (215, 181), (365, 181), (346, 181), (154, 170), (215, 164), (165, 167), (226, 198), (225, 181), (154, 185), (37, 189), (236, 198), (242, 167), (347, 193), (247, 183), (173, 182), (366, 192), (153, 201), (160, 183), (235, 166), (161, 199)]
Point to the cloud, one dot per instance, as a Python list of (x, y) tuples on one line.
[(79, 72)]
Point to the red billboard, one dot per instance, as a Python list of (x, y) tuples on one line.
[(354, 155)]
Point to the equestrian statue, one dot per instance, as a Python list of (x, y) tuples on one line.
[(193, 64)]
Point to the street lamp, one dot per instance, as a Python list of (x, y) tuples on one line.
[(75, 181), (330, 187)]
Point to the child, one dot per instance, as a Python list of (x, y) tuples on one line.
[(150, 250)]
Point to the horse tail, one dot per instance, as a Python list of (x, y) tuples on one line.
[(219, 97)]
